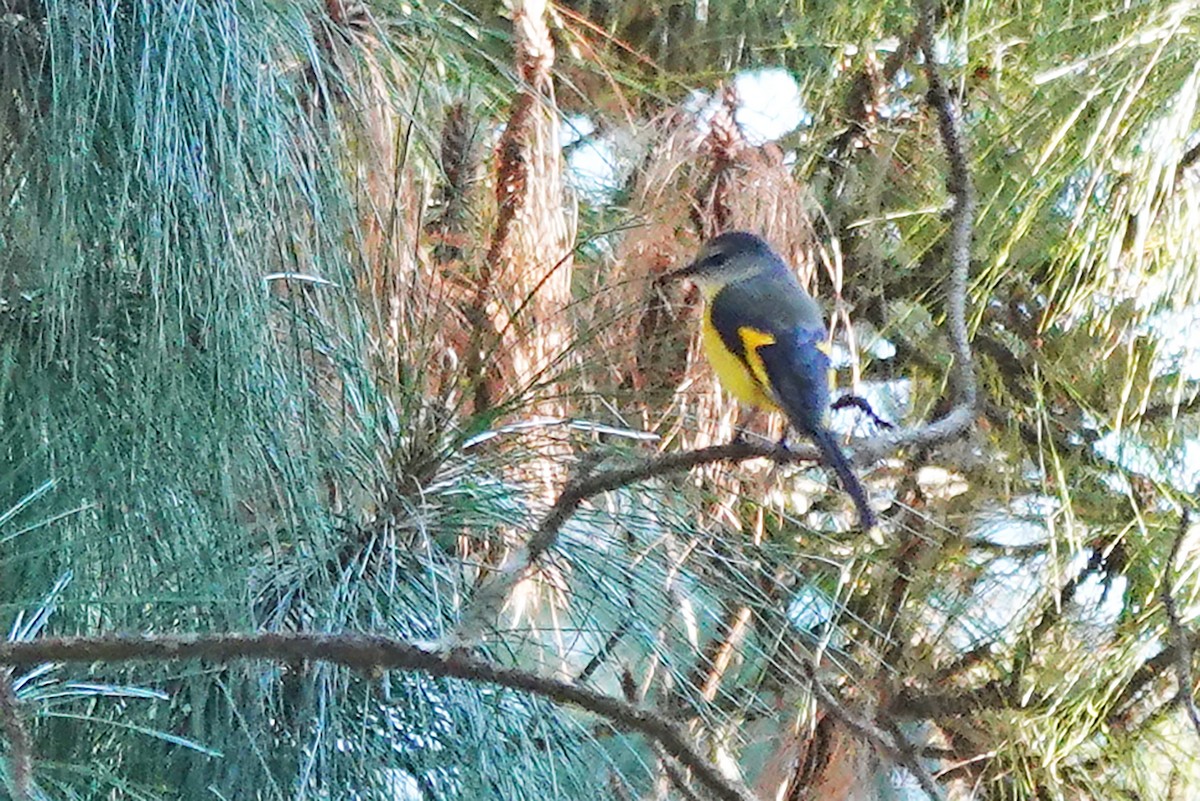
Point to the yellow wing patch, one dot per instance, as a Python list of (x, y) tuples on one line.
[(752, 340), (736, 373)]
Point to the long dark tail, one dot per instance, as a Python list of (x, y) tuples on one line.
[(799, 376), (823, 438)]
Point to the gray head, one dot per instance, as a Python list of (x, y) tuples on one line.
[(730, 257)]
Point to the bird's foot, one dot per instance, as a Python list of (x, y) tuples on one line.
[(861, 403)]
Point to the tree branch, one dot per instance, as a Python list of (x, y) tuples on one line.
[(492, 596), (909, 704), (1171, 409), (679, 781), (995, 693), (1183, 643), (962, 221), (370, 653), (588, 486), (894, 748), (19, 750), (1136, 689)]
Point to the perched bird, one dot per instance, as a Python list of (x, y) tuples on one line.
[(765, 338)]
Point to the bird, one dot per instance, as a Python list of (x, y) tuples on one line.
[(765, 338)]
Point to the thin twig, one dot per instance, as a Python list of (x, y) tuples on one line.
[(1178, 633), (369, 654), (894, 748), (864, 406), (1150, 672), (601, 656), (909, 704)]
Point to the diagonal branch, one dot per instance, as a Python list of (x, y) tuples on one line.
[(590, 485), (371, 653), (1142, 684), (491, 597), (1178, 632)]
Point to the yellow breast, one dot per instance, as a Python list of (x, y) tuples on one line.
[(735, 375)]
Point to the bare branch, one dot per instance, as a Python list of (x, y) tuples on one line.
[(1173, 410), (962, 221), (370, 653), (1178, 633)]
